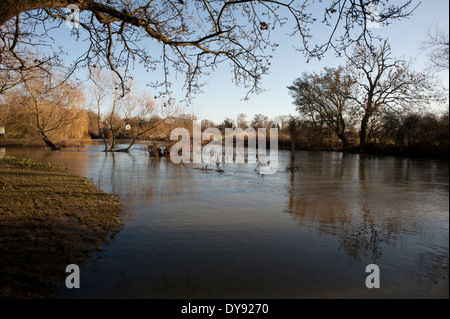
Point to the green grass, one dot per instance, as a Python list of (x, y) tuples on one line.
[(48, 219)]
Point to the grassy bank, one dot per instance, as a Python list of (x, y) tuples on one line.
[(48, 219)]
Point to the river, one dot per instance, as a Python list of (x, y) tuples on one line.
[(310, 234)]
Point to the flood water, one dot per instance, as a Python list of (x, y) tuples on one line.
[(310, 234)]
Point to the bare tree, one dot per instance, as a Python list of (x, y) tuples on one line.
[(22, 56), (143, 114), (227, 123), (281, 122), (241, 121), (324, 99), (437, 44), (99, 95), (384, 83), (48, 110), (105, 90), (260, 121), (137, 109), (193, 37)]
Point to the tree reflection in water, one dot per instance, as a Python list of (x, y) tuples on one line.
[(366, 212)]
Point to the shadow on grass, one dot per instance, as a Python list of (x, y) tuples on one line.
[(48, 219)]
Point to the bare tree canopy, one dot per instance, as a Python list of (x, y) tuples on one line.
[(437, 44), (51, 113), (192, 37), (137, 109), (325, 98), (386, 83), (372, 84)]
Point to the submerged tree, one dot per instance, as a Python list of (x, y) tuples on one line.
[(142, 114), (137, 111), (189, 38), (99, 96)]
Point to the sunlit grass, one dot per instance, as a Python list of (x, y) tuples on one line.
[(48, 219)]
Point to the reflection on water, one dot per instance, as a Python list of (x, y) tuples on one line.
[(372, 205), (195, 234)]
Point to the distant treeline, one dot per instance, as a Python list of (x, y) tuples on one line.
[(416, 134)]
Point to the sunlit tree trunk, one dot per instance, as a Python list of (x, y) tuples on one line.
[(100, 129), (47, 141)]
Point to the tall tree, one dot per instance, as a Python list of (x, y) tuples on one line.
[(99, 95), (384, 83), (323, 98)]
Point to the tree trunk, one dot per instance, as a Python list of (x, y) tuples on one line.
[(363, 132), (342, 137), (129, 146), (11, 8), (292, 128), (49, 143), (102, 134), (113, 139), (113, 143)]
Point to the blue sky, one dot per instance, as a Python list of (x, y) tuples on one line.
[(221, 98)]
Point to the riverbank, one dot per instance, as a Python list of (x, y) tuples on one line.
[(38, 143), (423, 151), (419, 151), (49, 219)]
